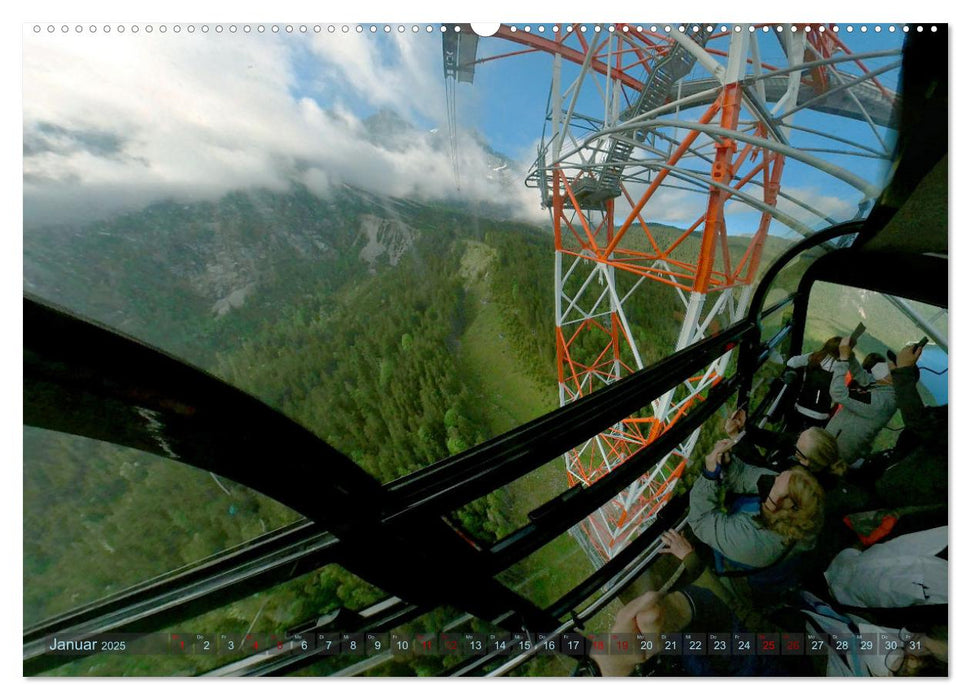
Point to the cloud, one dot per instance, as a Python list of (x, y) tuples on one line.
[(400, 71), (834, 206), (115, 122), (838, 205), (666, 205)]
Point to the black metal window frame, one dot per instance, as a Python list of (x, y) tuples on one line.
[(377, 532)]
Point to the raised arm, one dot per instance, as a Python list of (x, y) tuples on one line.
[(905, 378), (736, 536), (797, 361)]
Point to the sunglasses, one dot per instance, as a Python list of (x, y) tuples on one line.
[(898, 652)]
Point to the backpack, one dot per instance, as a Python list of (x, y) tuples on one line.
[(814, 392)]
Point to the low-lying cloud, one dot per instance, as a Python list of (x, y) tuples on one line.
[(116, 122)]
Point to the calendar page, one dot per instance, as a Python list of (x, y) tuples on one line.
[(458, 349)]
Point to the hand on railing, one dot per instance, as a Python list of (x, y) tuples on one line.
[(735, 423), (675, 543)]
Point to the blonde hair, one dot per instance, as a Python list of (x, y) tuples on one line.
[(823, 453), (799, 515)]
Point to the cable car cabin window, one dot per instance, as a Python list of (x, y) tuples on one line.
[(785, 285), (891, 324), (273, 624), (434, 355), (552, 570), (99, 518)]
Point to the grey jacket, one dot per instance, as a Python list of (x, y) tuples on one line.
[(740, 536), (857, 422)]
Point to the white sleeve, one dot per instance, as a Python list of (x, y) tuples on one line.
[(798, 361), (924, 542)]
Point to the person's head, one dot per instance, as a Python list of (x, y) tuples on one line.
[(872, 359), (793, 507), (908, 664), (880, 371), (831, 348), (817, 451)]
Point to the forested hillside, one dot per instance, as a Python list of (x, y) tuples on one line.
[(401, 333), (357, 335)]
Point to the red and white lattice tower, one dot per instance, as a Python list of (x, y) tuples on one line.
[(695, 117)]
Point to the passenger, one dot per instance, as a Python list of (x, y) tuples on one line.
[(813, 448), (919, 655), (818, 451), (776, 525), (862, 382), (899, 573), (693, 609), (813, 406), (873, 358), (902, 652), (860, 418), (919, 478)]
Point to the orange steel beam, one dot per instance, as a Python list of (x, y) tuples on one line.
[(817, 75), (582, 39), (720, 172), (662, 174), (630, 257), (723, 196), (567, 361), (576, 235), (583, 219), (684, 236), (771, 193), (643, 55), (726, 255), (571, 54), (771, 169), (640, 220), (642, 271), (753, 250)]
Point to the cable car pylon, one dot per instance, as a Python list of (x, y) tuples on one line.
[(692, 111)]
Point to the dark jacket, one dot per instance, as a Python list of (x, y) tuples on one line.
[(919, 478)]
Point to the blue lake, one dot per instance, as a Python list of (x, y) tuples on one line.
[(934, 358)]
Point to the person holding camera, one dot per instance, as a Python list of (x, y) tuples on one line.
[(697, 608), (920, 477), (813, 406), (774, 517), (859, 417)]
